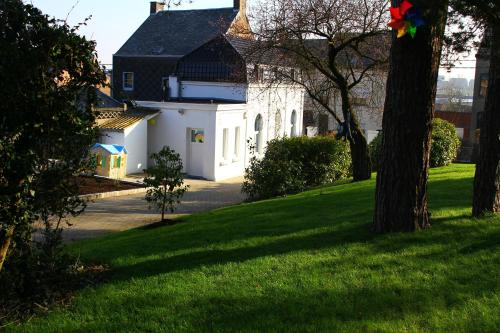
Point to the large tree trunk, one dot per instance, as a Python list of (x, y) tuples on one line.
[(487, 178), (401, 194)]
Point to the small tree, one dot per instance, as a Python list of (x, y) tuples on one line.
[(166, 181)]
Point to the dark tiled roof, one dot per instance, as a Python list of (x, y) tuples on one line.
[(176, 33), (105, 101)]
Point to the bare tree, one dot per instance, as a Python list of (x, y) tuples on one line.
[(338, 44)]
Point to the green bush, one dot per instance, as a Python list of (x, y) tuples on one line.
[(445, 143), (291, 165), (444, 147), (375, 149)]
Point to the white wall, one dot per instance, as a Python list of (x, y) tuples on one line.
[(214, 90), (230, 117), (112, 137), (170, 128), (267, 101), (136, 142)]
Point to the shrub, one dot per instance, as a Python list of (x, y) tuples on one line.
[(445, 143), (291, 165), (444, 146)]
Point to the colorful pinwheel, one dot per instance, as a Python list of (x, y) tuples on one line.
[(406, 19)]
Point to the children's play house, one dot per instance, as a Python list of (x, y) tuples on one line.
[(111, 160)]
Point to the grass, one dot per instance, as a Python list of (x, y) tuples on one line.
[(303, 263)]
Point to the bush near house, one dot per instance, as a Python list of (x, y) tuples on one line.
[(445, 143), (290, 165), (444, 148), (375, 149)]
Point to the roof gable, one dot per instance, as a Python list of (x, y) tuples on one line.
[(112, 149), (176, 33)]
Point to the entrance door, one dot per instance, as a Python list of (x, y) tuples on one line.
[(195, 151)]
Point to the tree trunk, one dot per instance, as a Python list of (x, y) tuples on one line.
[(361, 163), (4, 247), (401, 194), (487, 178)]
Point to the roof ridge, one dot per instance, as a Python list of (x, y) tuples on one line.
[(194, 10)]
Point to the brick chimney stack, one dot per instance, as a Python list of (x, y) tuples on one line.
[(240, 5), (156, 6)]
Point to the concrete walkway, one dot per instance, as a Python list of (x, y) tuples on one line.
[(122, 213)]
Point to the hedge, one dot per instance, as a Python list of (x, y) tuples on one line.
[(291, 165)]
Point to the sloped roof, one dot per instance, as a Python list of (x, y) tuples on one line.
[(175, 33), (253, 51), (126, 119), (112, 149), (105, 101)]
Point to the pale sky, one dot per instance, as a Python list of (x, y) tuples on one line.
[(114, 21)]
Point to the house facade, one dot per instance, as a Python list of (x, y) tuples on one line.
[(188, 73)]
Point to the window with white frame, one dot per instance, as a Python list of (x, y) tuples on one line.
[(225, 143), (277, 123), (259, 124), (128, 81), (294, 124), (237, 143)]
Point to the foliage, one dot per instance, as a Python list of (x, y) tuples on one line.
[(304, 263), (374, 147), (46, 123), (165, 181), (444, 145), (291, 165)]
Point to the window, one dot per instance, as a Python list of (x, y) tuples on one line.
[(128, 81), (197, 135), (104, 159), (258, 133), (277, 123), (293, 133), (225, 143), (165, 89), (483, 85), (259, 73), (98, 160), (237, 142)]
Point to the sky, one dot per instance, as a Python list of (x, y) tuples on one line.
[(114, 21)]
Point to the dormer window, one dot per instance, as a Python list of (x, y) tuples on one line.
[(128, 81), (259, 73)]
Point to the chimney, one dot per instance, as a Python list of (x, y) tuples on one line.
[(240, 5), (156, 6)]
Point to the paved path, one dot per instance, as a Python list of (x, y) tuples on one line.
[(122, 213)]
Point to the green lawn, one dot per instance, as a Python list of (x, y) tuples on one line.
[(303, 263)]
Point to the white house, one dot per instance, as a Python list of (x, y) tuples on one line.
[(198, 93), (214, 137)]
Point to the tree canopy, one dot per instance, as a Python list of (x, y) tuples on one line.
[(46, 122)]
